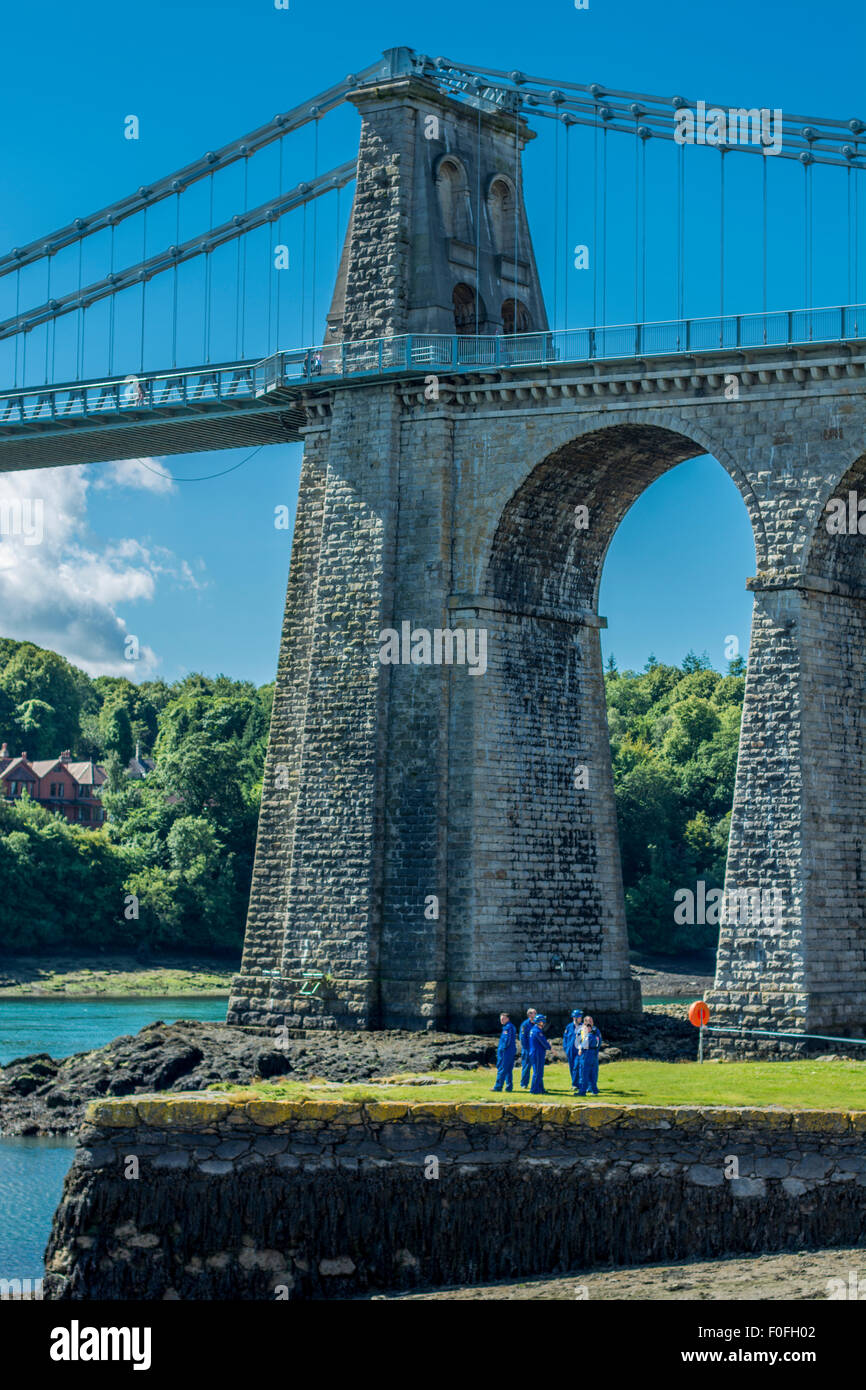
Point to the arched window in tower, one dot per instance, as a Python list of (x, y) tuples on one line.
[(500, 211), (452, 188), (515, 316), (463, 300)]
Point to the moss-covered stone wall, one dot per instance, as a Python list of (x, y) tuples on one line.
[(201, 1198)]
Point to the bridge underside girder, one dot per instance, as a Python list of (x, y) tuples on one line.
[(97, 440)]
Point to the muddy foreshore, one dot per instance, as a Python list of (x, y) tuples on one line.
[(797, 1275), (43, 1095)]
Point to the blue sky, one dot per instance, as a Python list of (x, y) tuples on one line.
[(196, 570)]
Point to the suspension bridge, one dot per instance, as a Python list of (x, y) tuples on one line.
[(105, 358), (427, 853)]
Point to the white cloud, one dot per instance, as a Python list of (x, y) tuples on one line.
[(148, 473), (65, 592)]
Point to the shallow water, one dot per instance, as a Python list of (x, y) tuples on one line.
[(31, 1180), (32, 1169)]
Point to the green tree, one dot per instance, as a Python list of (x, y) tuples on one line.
[(115, 729), (35, 675)]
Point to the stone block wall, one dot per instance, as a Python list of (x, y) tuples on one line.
[(297, 1200), (456, 506)]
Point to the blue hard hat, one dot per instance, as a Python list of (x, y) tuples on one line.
[(577, 1013), (540, 1018)]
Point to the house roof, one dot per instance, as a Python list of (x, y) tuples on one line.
[(87, 774), (21, 768), (140, 766), (43, 766)]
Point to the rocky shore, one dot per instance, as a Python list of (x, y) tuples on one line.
[(44, 1095)]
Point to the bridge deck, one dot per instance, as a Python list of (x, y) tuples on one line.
[(251, 402)]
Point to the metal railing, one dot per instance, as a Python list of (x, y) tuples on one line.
[(249, 381), (412, 353), (158, 391)]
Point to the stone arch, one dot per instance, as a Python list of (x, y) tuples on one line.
[(556, 918), (452, 189), (825, 612), (840, 556), (538, 555), (515, 317), (501, 204), (474, 554), (468, 313)]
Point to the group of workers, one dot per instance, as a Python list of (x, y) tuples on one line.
[(580, 1042)]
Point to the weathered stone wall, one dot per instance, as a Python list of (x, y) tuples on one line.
[(276, 1199), (452, 502), (472, 775)]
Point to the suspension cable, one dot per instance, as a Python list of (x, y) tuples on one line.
[(208, 281), (111, 312), (764, 244), (808, 237), (79, 326), (516, 199), (567, 265), (17, 311), (643, 233), (857, 234), (681, 240), (175, 286), (722, 152), (278, 339), (604, 228), (637, 147), (313, 334), (242, 240), (47, 326), (595, 251), (143, 286), (304, 275), (556, 229), (848, 191), (478, 222), (238, 298)]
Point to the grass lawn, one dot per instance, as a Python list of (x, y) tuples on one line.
[(800, 1085)]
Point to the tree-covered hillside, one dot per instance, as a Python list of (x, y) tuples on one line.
[(674, 733), (172, 866)]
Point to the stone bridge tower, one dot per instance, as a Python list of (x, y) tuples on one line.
[(438, 841), (383, 891)]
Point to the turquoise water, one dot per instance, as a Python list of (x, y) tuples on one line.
[(31, 1180), (64, 1026), (32, 1170)]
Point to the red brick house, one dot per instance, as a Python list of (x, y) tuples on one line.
[(69, 789)]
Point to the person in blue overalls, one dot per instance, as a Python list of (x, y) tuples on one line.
[(539, 1048), (569, 1044), (506, 1054), (588, 1043), (525, 1051)]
